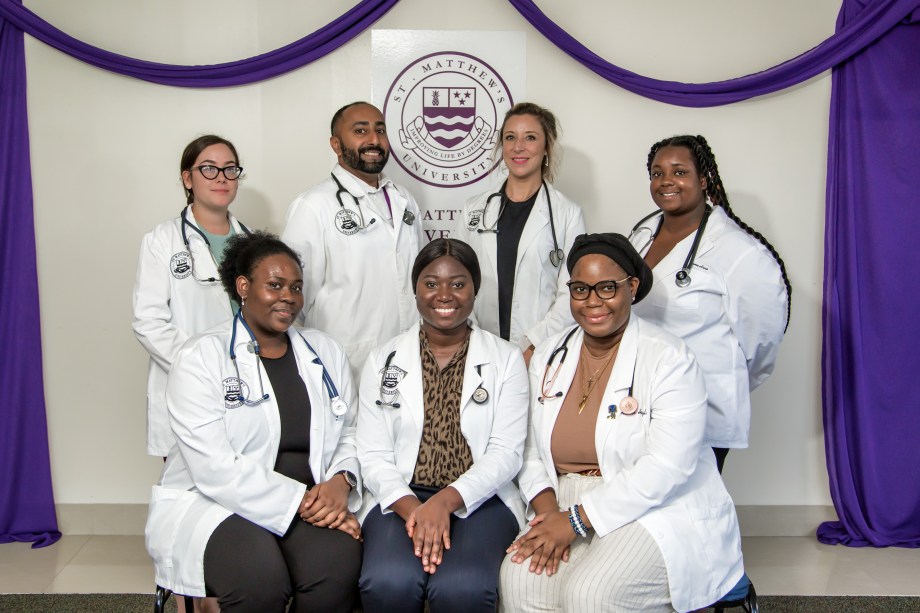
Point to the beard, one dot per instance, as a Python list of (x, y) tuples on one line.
[(352, 159)]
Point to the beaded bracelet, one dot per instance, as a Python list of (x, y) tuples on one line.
[(575, 520)]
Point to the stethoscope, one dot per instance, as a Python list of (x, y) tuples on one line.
[(408, 217), (339, 407), (682, 278), (556, 256), (388, 387), (628, 405), (562, 351), (187, 224)]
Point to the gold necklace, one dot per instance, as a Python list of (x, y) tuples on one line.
[(591, 381)]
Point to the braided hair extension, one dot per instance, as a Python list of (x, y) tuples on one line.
[(705, 162)]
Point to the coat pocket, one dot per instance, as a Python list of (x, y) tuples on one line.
[(168, 507)]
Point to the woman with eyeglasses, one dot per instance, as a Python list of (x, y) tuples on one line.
[(177, 293), (440, 437), (254, 504), (627, 510)]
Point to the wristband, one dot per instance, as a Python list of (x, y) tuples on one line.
[(578, 526)]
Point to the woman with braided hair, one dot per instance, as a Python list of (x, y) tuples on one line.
[(719, 284)]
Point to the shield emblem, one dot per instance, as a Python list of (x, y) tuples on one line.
[(449, 113)]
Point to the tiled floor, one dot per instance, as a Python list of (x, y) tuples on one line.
[(778, 566)]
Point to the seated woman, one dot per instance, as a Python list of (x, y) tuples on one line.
[(639, 520), (265, 459), (440, 437)]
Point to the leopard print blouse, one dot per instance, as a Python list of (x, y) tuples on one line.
[(443, 454)]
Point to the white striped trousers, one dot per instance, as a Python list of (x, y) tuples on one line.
[(622, 572)]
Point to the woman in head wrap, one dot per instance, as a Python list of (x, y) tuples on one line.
[(627, 510)]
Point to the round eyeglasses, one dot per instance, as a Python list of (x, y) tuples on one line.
[(605, 290), (232, 173)]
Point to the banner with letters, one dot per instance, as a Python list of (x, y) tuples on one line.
[(444, 95)]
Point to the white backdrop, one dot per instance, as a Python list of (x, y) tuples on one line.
[(105, 153)]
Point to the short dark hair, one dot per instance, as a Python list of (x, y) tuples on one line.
[(193, 150), (338, 114), (244, 252), (456, 249)]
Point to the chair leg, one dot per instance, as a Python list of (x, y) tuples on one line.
[(160, 598), (750, 601), (189, 604)]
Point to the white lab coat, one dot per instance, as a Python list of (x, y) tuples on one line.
[(389, 438), (540, 303), (655, 468), (357, 287), (225, 454), (732, 315), (170, 306)]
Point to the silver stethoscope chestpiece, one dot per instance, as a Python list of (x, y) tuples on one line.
[(682, 278), (339, 407), (480, 396), (556, 256)]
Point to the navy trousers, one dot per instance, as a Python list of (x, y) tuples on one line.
[(392, 578)]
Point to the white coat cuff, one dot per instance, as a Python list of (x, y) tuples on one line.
[(294, 508), (390, 499)]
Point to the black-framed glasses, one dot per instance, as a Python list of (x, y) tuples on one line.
[(605, 290), (210, 172)]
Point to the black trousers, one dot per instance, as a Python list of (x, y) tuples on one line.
[(249, 568), (720, 452)]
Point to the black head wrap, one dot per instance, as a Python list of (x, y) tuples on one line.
[(618, 248)]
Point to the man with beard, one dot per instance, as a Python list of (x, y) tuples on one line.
[(357, 233)]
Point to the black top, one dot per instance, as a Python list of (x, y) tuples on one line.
[(510, 226), (294, 408)]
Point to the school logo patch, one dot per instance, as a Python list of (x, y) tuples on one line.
[(346, 222), (389, 379), (235, 391), (473, 219), (180, 265), (447, 107)]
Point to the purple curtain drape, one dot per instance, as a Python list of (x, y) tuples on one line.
[(874, 18), (26, 499), (871, 328), (243, 72)]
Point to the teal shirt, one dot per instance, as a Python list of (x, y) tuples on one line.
[(217, 242)]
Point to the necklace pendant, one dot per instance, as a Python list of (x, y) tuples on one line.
[(582, 403)]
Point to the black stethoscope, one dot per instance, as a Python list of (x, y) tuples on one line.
[(562, 349), (682, 278), (556, 256), (408, 217), (388, 387), (339, 406), (187, 224), (628, 405)]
